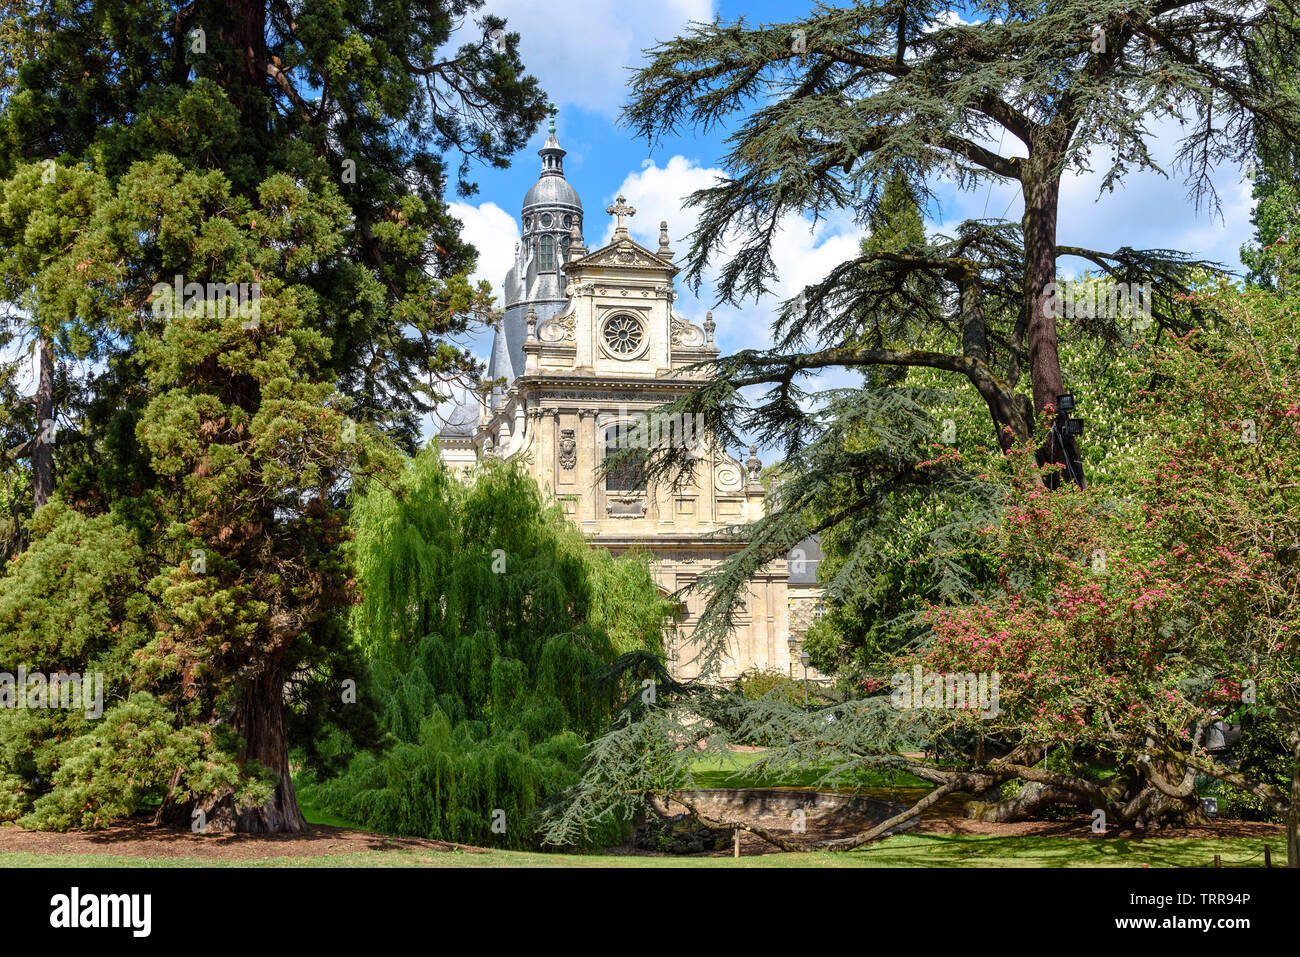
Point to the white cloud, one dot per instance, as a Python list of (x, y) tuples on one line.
[(1150, 211), (950, 18), (659, 194), (493, 232), (581, 51)]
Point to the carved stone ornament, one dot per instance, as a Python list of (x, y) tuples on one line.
[(624, 336), (625, 506), (729, 476), (568, 449), (558, 329), (625, 254), (685, 334)]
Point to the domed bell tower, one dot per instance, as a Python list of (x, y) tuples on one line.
[(551, 210)]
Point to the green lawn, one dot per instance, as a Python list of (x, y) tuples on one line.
[(734, 771), (314, 816), (904, 850)]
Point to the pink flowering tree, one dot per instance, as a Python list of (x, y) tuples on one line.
[(1127, 626)]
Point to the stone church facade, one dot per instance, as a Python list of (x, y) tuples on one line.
[(588, 344)]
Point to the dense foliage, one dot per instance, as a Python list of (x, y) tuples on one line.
[(299, 156), (490, 629), (1123, 622)]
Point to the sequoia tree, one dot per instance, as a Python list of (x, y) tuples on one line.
[(372, 98), (305, 152), (43, 209)]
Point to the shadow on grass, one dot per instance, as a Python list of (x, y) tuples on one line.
[(1038, 850)]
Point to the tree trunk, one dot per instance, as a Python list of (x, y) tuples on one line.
[(259, 722), (1011, 424), (1293, 812), (1023, 805), (43, 451), (1150, 806), (1042, 195)]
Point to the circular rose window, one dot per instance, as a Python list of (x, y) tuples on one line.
[(623, 336), (546, 220)]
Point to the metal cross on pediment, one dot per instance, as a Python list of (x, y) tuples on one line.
[(621, 209)]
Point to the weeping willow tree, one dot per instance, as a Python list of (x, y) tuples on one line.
[(490, 629)]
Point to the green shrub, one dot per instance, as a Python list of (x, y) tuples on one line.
[(757, 683)]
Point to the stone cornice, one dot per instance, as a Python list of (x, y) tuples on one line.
[(533, 382)]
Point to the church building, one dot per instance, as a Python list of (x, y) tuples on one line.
[(588, 344)]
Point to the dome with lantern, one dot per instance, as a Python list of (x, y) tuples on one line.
[(550, 211)]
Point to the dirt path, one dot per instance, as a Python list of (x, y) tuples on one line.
[(148, 840), (948, 817), (1082, 827)]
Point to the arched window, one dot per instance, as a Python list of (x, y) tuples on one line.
[(629, 475), (564, 249), (546, 254)]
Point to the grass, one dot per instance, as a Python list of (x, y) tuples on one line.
[(316, 816), (903, 850), (735, 770)]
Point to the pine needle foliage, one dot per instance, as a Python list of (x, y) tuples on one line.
[(78, 602), (823, 112)]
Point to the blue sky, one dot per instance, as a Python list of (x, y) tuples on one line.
[(582, 51)]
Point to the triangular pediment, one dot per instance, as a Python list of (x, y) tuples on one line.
[(623, 253)]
